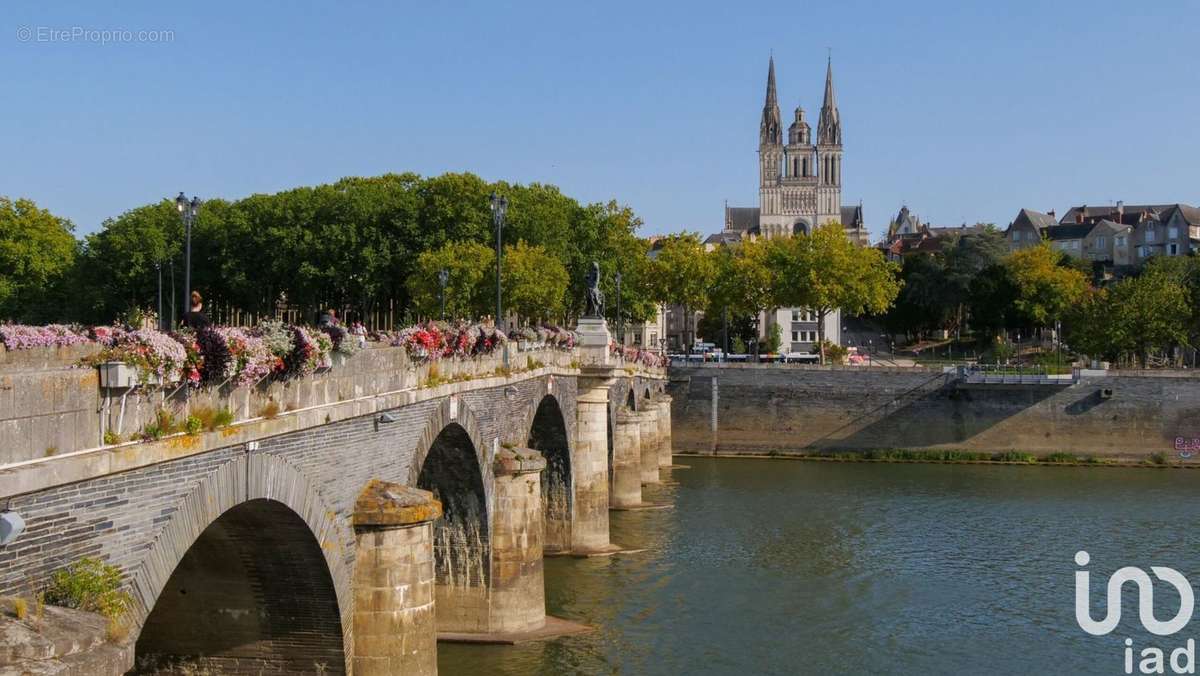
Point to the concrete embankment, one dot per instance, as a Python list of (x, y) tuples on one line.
[(758, 409)]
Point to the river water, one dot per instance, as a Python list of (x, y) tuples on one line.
[(788, 567)]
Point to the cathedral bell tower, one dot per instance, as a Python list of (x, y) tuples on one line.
[(770, 147), (829, 155)]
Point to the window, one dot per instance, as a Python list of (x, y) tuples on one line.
[(1119, 240), (795, 336), (654, 339), (1150, 234), (795, 317), (1172, 232), (1016, 235), (1100, 243), (1142, 251)]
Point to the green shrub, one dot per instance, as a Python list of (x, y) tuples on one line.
[(1061, 457), (836, 354), (193, 425), (1158, 459), (111, 438), (89, 584), (1014, 456), (152, 432)]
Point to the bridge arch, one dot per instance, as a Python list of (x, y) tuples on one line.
[(548, 435), (450, 461), (248, 570)]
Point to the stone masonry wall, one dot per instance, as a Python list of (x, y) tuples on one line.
[(771, 408), (50, 407)]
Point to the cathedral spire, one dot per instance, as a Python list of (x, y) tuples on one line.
[(771, 130), (829, 129)]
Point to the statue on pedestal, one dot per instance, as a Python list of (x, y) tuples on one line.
[(595, 297)]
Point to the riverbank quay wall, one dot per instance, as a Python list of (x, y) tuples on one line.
[(245, 545), (813, 409)]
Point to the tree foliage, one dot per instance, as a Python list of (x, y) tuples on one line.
[(825, 271), (354, 244), (1045, 288), (535, 282), (37, 252), (1137, 315), (468, 295)]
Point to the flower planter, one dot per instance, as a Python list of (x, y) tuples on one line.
[(118, 374)]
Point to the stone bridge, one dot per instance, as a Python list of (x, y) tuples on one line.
[(344, 519)]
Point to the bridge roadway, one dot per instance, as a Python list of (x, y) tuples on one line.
[(380, 507)]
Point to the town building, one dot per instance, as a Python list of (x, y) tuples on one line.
[(908, 236), (646, 335), (1115, 236)]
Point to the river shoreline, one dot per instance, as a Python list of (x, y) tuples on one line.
[(862, 457)]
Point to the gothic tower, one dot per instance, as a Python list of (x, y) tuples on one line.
[(829, 154), (770, 148)]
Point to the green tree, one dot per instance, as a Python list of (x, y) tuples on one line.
[(469, 289), (925, 301), (683, 273), (964, 258), (1045, 289), (535, 283), (991, 300), (1135, 316), (117, 267), (37, 252), (825, 271)]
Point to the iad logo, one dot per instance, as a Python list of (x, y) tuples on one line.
[(1182, 660)]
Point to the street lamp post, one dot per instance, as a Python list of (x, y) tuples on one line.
[(620, 325), (443, 277), (499, 207), (158, 269), (187, 210)]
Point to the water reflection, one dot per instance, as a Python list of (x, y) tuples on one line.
[(785, 567)]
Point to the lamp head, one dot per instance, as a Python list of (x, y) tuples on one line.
[(11, 527)]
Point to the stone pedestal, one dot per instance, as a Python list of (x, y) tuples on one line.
[(648, 426), (518, 591), (594, 341), (394, 624), (665, 454), (589, 465), (625, 489)]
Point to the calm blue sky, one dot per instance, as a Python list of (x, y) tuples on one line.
[(965, 111)]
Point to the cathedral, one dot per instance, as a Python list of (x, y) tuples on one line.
[(799, 188), (800, 182)]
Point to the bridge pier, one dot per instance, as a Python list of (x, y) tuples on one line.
[(665, 454), (518, 590), (626, 489), (394, 621), (589, 518), (648, 428)]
